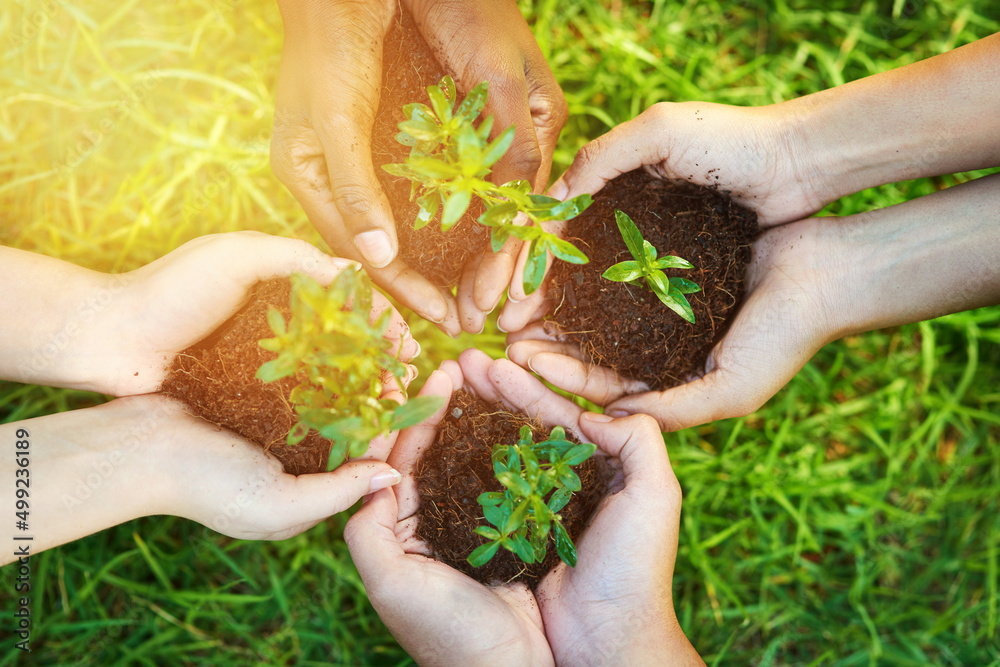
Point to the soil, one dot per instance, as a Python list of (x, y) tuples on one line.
[(628, 328), (457, 468), (216, 379), (408, 68)]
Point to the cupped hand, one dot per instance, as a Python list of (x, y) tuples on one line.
[(491, 41), (439, 615), (210, 475), (616, 605), (786, 316), (172, 303), (754, 153), (328, 91)]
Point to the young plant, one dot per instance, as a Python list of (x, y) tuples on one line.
[(647, 268), (449, 161), (539, 481), (339, 358)]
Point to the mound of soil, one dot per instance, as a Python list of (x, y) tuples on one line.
[(628, 328), (408, 68), (457, 468), (216, 378)]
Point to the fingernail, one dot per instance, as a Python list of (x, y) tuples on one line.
[(500, 326), (597, 417), (617, 413), (384, 480), (530, 367), (559, 189), (437, 311), (417, 343), (375, 246), (510, 298), (506, 350)]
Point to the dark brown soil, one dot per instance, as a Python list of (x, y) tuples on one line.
[(408, 68), (216, 379), (457, 468), (628, 328)]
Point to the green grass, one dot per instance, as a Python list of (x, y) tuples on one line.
[(853, 520)]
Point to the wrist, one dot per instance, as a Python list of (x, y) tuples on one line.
[(921, 259)]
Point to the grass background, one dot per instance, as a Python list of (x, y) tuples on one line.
[(853, 520)]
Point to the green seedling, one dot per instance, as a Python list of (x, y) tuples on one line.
[(449, 161), (646, 268), (539, 480), (339, 358)]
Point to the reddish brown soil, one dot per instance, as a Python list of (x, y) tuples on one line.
[(627, 328), (216, 379), (457, 468), (408, 68)]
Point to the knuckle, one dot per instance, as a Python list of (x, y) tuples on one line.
[(353, 201), (527, 159)]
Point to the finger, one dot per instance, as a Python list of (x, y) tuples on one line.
[(472, 317), (493, 274), (454, 371), (315, 497), (371, 539), (718, 395), (343, 115), (398, 331), (626, 147), (637, 442), (595, 383), (522, 352), (535, 331), (523, 393), (411, 443), (517, 290), (548, 109), (475, 365), (303, 171), (516, 315)]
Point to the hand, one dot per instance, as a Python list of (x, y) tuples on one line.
[(443, 617), (145, 455), (523, 92), (716, 145), (180, 298), (808, 284), (439, 615), (327, 96)]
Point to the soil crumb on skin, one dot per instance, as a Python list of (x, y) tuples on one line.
[(216, 379), (408, 68), (628, 328), (457, 468)]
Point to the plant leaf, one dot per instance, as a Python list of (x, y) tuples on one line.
[(565, 250), (482, 554), (534, 269), (684, 286), (517, 484), (487, 532), (523, 549), (440, 102), (564, 545), (516, 518), (623, 272), (496, 149), (559, 499), (672, 262), (630, 234), (455, 208), (579, 454), (679, 304), (473, 104), (415, 411)]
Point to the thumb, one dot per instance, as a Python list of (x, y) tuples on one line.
[(343, 115), (637, 442), (721, 394), (371, 539), (326, 494), (626, 147)]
